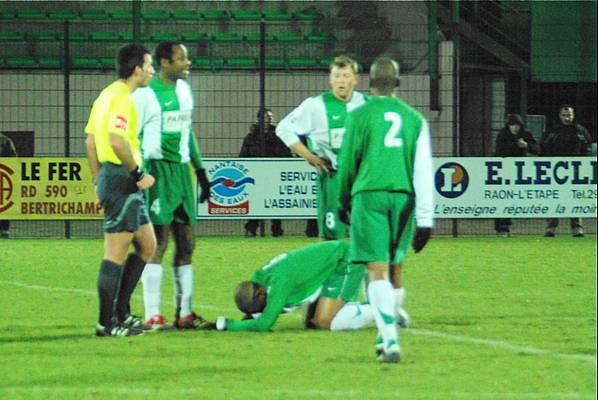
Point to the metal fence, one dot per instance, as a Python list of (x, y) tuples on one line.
[(51, 71)]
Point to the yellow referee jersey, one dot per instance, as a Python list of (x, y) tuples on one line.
[(114, 113)]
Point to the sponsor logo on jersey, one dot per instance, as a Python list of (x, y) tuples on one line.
[(120, 123), (176, 121)]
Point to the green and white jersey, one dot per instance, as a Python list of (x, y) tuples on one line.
[(165, 125), (387, 148), (293, 279), (322, 120)]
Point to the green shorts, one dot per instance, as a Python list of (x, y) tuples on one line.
[(123, 203), (345, 283), (329, 225), (382, 226), (172, 197)]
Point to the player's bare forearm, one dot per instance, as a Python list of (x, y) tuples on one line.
[(92, 156), (123, 152)]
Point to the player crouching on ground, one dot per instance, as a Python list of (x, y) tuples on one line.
[(319, 275)]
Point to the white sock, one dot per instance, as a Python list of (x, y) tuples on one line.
[(380, 293), (151, 278), (183, 286), (352, 316), (399, 298)]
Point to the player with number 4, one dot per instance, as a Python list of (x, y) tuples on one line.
[(321, 119), (385, 174)]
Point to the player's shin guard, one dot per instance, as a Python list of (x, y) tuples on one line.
[(381, 296), (352, 316), (132, 271), (108, 285), (151, 279), (183, 285)]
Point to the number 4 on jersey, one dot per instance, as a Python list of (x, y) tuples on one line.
[(391, 139)]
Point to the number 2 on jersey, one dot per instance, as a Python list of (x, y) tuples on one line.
[(391, 139)]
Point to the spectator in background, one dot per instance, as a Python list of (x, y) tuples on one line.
[(513, 141), (567, 138), (267, 144), (7, 149)]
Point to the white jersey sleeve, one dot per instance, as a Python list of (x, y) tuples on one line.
[(298, 122), (423, 179), (140, 97)]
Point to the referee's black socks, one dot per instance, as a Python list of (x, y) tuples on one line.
[(108, 285), (131, 273)]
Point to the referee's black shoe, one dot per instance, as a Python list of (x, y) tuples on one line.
[(117, 330)]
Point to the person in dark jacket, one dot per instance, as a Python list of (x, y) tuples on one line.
[(7, 149), (567, 138), (513, 141), (254, 145)]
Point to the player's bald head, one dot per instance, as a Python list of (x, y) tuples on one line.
[(384, 75), (250, 297)]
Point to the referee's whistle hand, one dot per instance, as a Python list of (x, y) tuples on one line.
[(146, 182)]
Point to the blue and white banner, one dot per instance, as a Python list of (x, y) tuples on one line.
[(515, 187), (245, 188)]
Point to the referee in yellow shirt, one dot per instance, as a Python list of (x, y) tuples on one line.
[(114, 155)]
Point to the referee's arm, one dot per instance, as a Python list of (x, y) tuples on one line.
[(92, 156)]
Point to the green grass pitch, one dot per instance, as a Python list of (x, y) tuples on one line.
[(492, 318)]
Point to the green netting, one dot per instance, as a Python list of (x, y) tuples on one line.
[(41, 36), (104, 36), (121, 15), (94, 15), (302, 62), (226, 37), (201, 62), (74, 36), (277, 16), (242, 62), (185, 15), (215, 15), (194, 36), (6, 15), (31, 15), (289, 37), (84, 62), (155, 15), (320, 37), (20, 62), (275, 63), (255, 37), (49, 62), (163, 37), (107, 62), (11, 36), (246, 15), (62, 15), (306, 15), (325, 62)]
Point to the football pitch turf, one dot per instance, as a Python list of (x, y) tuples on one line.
[(493, 318)]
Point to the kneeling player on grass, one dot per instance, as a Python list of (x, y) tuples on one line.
[(319, 274)]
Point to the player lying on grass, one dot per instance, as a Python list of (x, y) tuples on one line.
[(319, 275)]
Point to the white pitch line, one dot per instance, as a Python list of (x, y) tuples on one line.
[(85, 292), (499, 344), (294, 392)]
